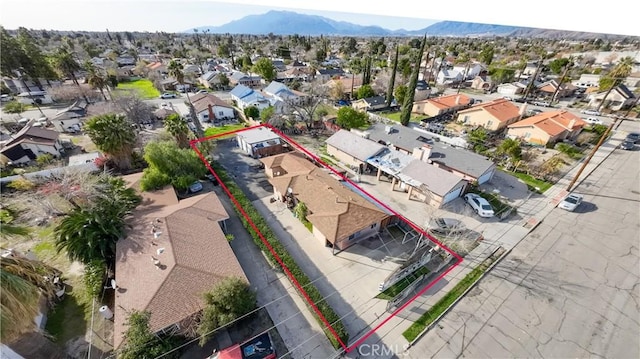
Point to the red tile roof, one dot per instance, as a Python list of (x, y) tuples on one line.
[(553, 122), (448, 101), (501, 109)]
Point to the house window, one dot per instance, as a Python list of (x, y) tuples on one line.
[(527, 134), (489, 123), (220, 113), (465, 119), (373, 226), (352, 236)]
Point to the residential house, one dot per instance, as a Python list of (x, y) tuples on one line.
[(210, 108), (370, 104), (470, 72), (279, 65), (421, 180), (157, 68), (282, 97), (352, 149), (70, 119), (39, 97), (260, 142), (192, 70), (17, 86), (511, 89), (246, 97), (587, 80), (449, 76), (339, 216), (547, 89), (171, 84), (174, 251), (324, 75), (240, 78), (547, 127), (483, 83), (529, 70), (77, 163), (125, 61), (295, 74), (346, 83), (440, 105), (493, 116), (619, 98), (470, 166), (633, 80), (31, 142), (211, 79)]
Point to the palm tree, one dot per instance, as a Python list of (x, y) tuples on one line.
[(114, 136), (22, 281), (175, 70), (64, 61), (95, 79), (177, 127), (7, 228), (91, 232), (615, 77)]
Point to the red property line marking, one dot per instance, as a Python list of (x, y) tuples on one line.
[(284, 267)]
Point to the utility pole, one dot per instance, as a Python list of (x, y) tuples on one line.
[(604, 135), (624, 117), (533, 80), (564, 74)]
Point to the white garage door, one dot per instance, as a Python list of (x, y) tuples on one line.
[(487, 176), (452, 195)]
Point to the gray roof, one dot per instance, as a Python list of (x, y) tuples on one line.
[(407, 139), (436, 180), (258, 135), (354, 145)]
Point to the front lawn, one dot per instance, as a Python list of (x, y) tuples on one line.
[(69, 318), (144, 88), (213, 131), (534, 184)]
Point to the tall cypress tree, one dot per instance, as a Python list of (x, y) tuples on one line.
[(405, 115), (392, 80)]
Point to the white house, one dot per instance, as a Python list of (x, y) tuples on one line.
[(246, 97), (619, 98), (39, 97), (29, 143), (449, 76), (587, 80), (259, 142), (210, 108), (510, 89), (69, 119), (471, 72)]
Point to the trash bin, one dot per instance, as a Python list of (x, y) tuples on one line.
[(106, 312)]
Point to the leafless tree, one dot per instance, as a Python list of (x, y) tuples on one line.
[(69, 93), (305, 108), (136, 110)]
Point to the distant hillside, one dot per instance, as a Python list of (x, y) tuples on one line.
[(289, 23), (456, 28)]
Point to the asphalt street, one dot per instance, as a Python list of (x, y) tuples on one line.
[(569, 289)]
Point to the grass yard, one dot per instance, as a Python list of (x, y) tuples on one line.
[(395, 116), (212, 131), (395, 289), (71, 317), (144, 88), (534, 184)]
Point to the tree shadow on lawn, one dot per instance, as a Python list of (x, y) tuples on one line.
[(67, 319)]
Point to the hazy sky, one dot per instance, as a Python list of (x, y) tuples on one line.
[(180, 15)]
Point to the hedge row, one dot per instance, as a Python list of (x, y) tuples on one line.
[(280, 250)]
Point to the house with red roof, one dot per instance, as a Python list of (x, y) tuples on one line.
[(547, 127), (441, 105), (493, 116)]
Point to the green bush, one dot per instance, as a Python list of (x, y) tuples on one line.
[(281, 252), (94, 273)]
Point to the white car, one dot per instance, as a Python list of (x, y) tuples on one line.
[(167, 95), (571, 202), (480, 205), (590, 112), (593, 121)]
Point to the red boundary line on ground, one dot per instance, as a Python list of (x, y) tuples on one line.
[(284, 267)]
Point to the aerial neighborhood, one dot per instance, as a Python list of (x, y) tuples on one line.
[(222, 195)]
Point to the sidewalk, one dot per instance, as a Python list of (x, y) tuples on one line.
[(298, 328)]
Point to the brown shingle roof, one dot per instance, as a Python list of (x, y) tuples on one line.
[(196, 257), (334, 210), (202, 101)]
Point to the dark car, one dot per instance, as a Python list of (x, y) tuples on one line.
[(627, 145), (633, 137)]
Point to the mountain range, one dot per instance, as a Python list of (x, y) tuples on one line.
[(289, 23)]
